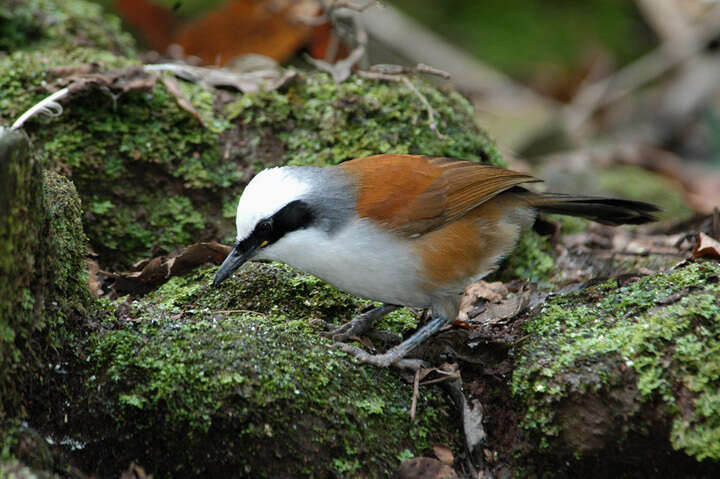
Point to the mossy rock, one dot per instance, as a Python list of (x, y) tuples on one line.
[(153, 178), (629, 368), (234, 382), (43, 288)]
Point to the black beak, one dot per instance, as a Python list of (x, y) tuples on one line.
[(234, 260)]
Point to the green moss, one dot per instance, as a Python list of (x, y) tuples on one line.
[(665, 329), (237, 374), (154, 178), (321, 122), (531, 259), (523, 37), (64, 257), (43, 285), (67, 24), (21, 224)]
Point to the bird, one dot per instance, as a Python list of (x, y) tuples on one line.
[(403, 230)]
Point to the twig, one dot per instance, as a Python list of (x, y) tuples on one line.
[(635, 253), (47, 106), (416, 393), (412, 88), (342, 69), (390, 69), (246, 311), (338, 4)]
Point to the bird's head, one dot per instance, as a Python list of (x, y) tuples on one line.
[(274, 205)]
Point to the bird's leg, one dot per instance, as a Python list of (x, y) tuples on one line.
[(361, 323), (397, 354), (444, 309)]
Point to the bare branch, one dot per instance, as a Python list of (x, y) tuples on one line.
[(390, 69)]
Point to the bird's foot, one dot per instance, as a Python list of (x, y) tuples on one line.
[(360, 324), (391, 358), (395, 356)]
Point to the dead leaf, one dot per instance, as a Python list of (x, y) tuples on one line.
[(94, 283), (161, 268), (425, 468), (444, 454), (81, 78), (238, 27), (246, 82), (134, 471), (181, 99), (493, 292), (706, 247), (484, 302)]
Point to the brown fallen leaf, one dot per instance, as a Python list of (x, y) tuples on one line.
[(485, 302), (161, 268), (444, 454), (425, 468), (706, 247), (493, 292), (94, 283), (84, 77)]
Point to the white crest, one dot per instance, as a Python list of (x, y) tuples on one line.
[(265, 195)]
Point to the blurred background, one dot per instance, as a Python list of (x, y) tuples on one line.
[(567, 88)]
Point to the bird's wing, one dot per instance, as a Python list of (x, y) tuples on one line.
[(413, 194)]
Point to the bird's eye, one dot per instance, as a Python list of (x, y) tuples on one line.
[(265, 226)]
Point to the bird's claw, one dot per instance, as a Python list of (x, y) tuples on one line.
[(382, 360)]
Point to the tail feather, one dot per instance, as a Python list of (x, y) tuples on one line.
[(609, 211)]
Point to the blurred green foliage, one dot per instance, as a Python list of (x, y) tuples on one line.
[(522, 36)]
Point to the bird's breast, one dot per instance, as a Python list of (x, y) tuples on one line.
[(360, 259)]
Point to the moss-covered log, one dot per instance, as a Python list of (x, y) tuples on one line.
[(626, 374), (43, 289), (230, 382)]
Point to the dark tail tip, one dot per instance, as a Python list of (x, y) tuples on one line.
[(609, 211)]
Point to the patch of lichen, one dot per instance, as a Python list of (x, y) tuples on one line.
[(321, 122), (63, 24), (661, 330), (235, 379)]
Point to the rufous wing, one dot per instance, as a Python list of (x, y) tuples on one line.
[(413, 194)]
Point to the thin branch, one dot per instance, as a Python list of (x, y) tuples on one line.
[(390, 69), (242, 311), (416, 394)]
